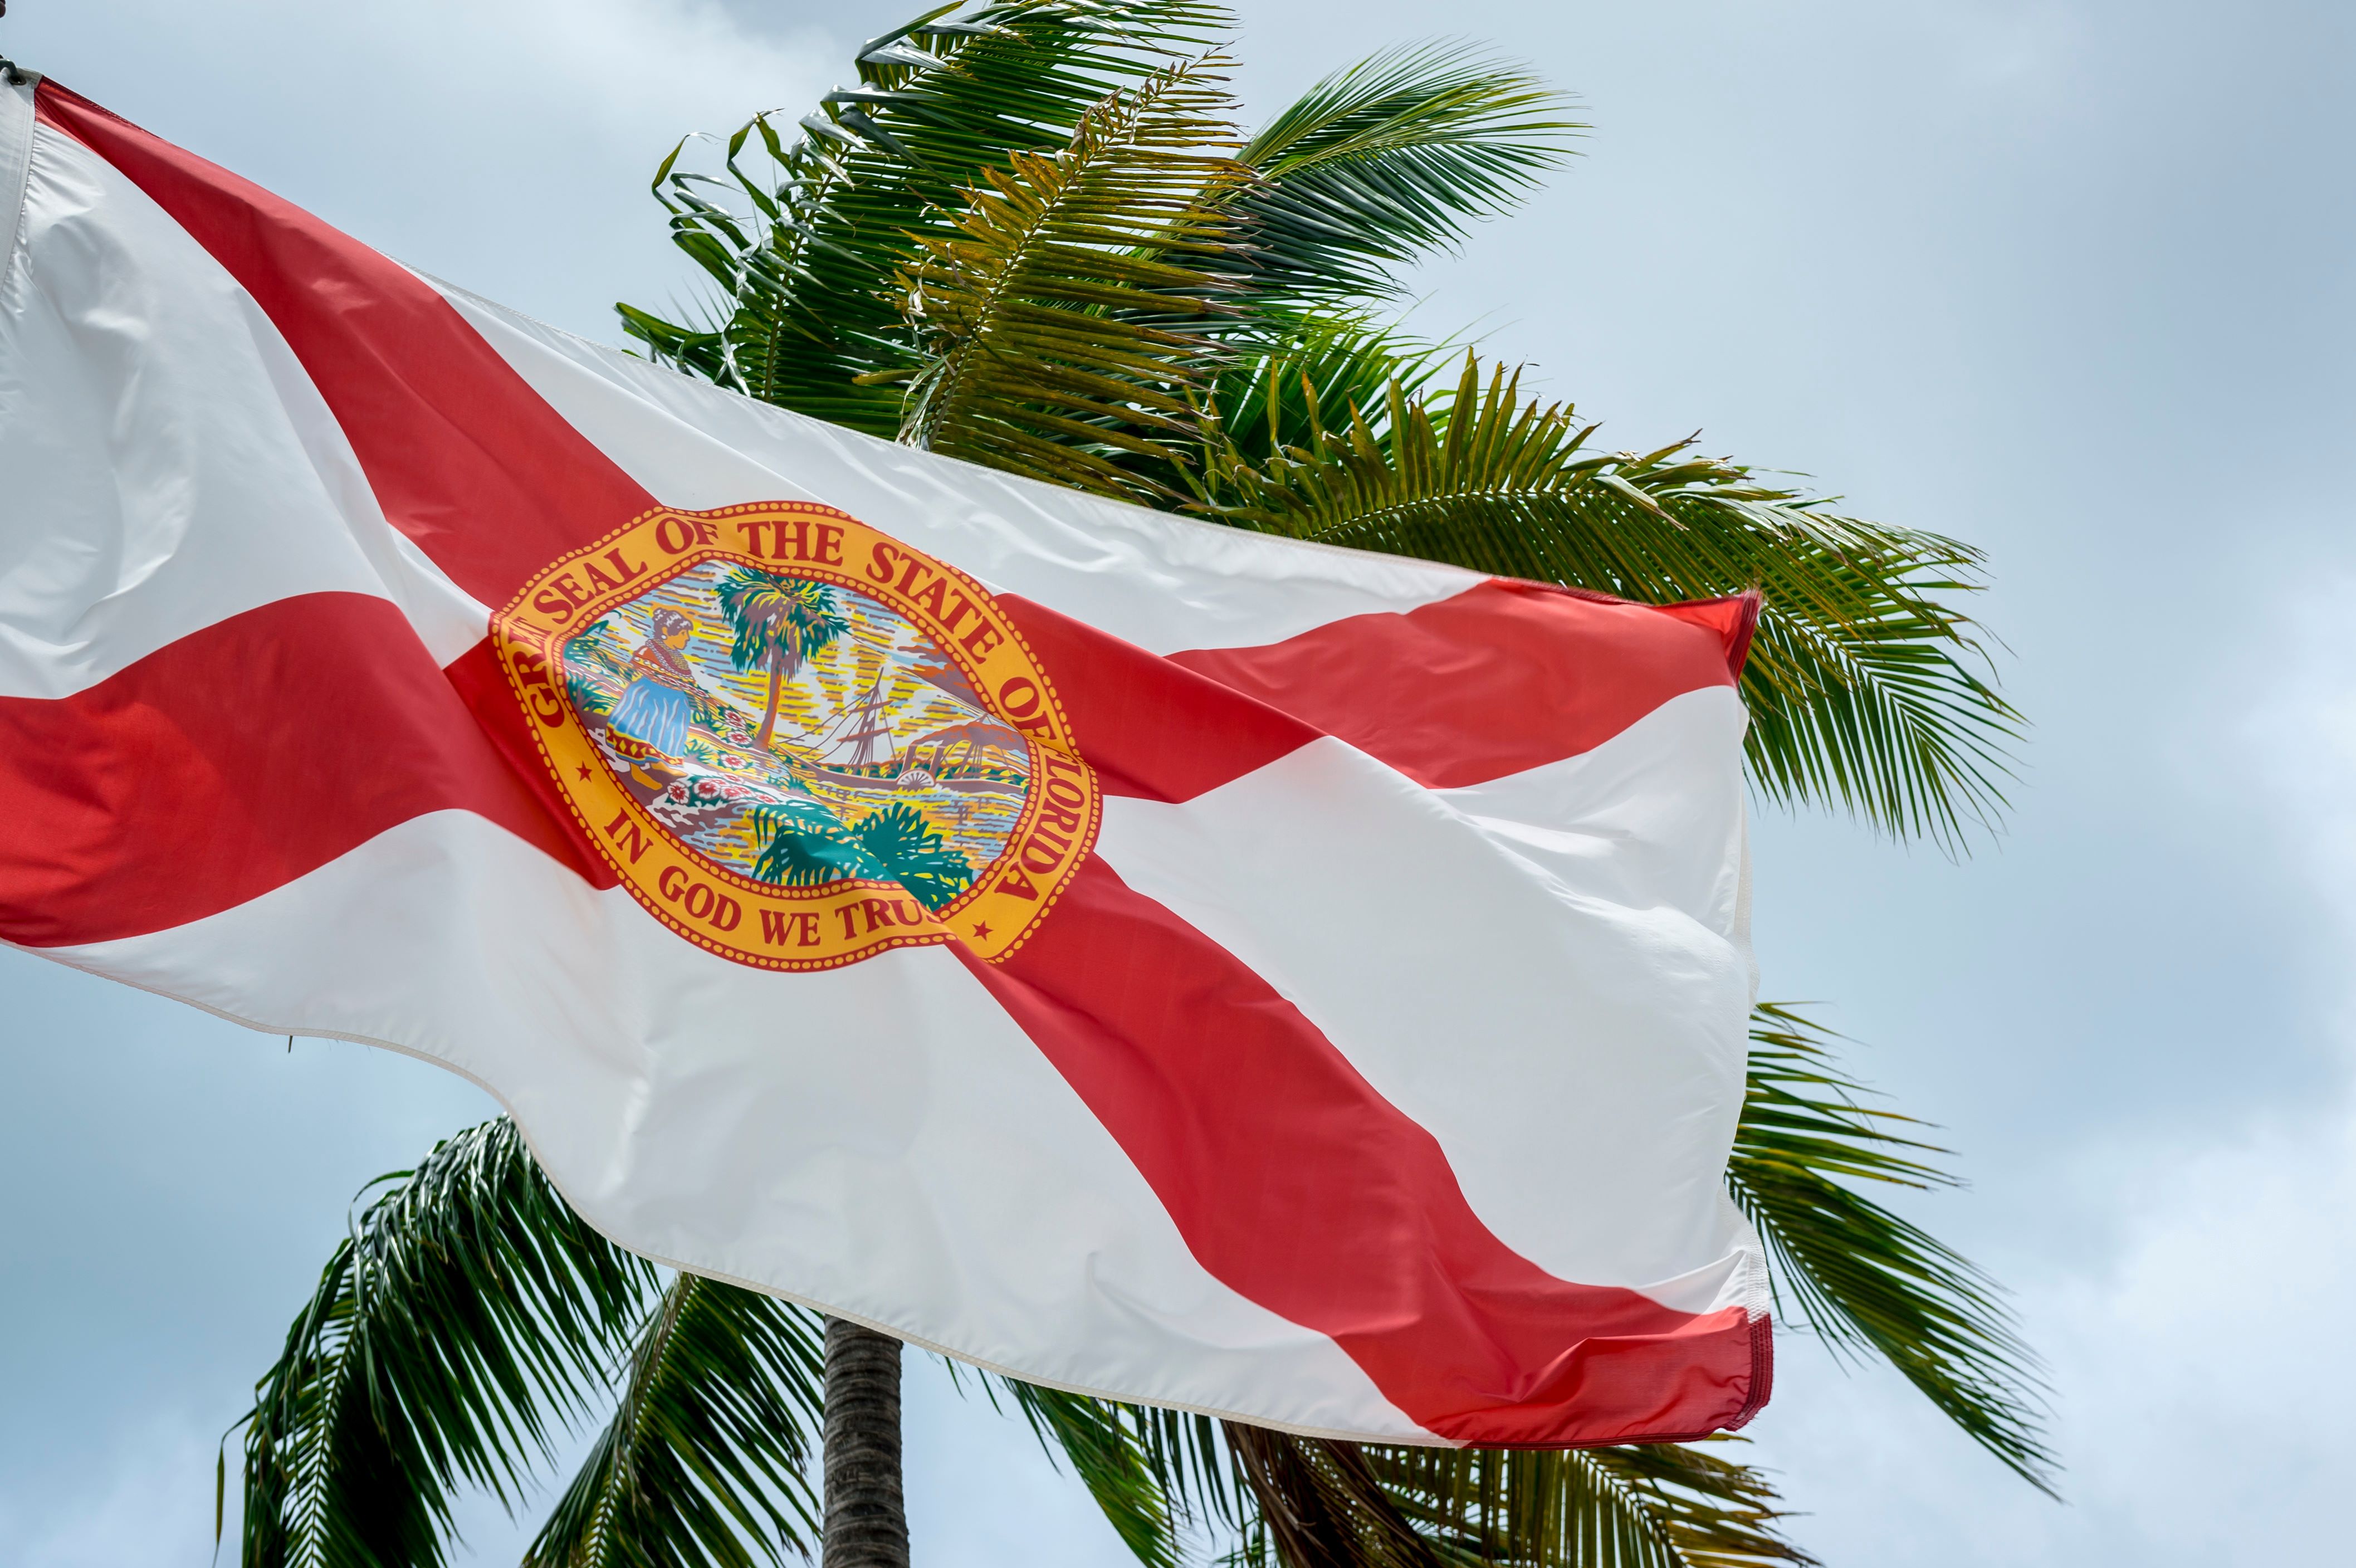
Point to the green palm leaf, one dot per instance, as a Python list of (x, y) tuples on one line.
[(1865, 687), (1664, 1505), (805, 232), (1318, 1505), (1379, 163), (469, 1306), (1305, 1502), (470, 1317), (704, 1460), (1865, 1279), (1041, 314), (1265, 403)]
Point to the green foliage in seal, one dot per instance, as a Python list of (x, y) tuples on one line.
[(803, 844), (913, 854)]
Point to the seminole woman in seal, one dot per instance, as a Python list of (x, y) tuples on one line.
[(652, 717)]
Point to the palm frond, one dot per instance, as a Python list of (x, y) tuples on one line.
[(1866, 688), (1318, 1504), (1278, 1501), (1264, 401), (803, 231), (1864, 1279), (703, 1462), (1378, 164), (467, 1308), (1041, 314), (1664, 1505)]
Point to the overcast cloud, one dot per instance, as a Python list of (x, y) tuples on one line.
[(2072, 280)]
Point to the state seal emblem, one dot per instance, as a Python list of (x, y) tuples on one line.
[(797, 741)]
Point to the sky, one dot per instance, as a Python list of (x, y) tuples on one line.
[(2072, 281)]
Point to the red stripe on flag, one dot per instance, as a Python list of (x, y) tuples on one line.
[(1504, 677), (464, 456), (1301, 1189), (233, 761), (1149, 727), (1500, 679)]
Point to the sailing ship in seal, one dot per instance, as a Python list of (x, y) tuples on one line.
[(967, 758)]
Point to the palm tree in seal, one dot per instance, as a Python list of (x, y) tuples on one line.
[(779, 622), (1032, 234)]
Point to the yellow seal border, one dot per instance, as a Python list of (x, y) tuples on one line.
[(761, 923)]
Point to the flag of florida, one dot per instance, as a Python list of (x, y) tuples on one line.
[(1143, 957)]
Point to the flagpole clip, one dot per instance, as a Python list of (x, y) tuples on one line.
[(12, 73)]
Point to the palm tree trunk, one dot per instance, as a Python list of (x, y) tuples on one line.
[(776, 689), (866, 1515)]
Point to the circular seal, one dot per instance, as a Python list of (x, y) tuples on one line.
[(797, 741)]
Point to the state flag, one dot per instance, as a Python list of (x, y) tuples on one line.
[(1143, 957)]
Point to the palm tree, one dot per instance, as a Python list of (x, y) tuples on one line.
[(779, 622), (1032, 236)]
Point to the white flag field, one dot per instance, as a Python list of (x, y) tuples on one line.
[(1143, 957)]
